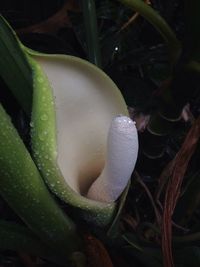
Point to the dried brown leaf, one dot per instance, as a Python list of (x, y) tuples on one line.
[(172, 194), (54, 23), (27, 260), (97, 254), (141, 119), (130, 221)]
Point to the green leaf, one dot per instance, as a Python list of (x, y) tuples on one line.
[(14, 68), (23, 188)]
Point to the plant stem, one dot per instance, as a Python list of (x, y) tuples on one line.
[(90, 21), (160, 24)]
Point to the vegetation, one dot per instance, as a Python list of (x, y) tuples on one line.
[(151, 49)]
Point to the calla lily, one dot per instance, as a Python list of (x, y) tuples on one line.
[(82, 139), (74, 105)]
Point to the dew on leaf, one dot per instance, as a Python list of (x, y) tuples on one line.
[(43, 98), (44, 88), (41, 136), (40, 79), (44, 117)]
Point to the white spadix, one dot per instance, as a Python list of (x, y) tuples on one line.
[(121, 156)]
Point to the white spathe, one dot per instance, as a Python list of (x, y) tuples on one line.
[(86, 102)]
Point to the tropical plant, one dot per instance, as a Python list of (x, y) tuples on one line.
[(160, 224)]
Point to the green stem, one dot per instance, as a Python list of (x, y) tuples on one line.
[(160, 24), (19, 238), (90, 21)]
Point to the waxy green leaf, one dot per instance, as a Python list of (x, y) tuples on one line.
[(23, 188), (14, 68)]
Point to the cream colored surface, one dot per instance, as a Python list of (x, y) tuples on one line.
[(86, 102)]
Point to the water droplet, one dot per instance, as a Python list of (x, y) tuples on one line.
[(43, 98), (38, 67), (41, 137), (44, 89), (44, 117), (40, 79), (32, 124)]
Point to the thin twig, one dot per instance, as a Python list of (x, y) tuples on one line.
[(157, 213)]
